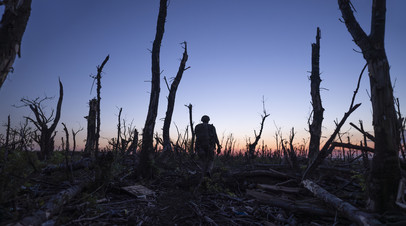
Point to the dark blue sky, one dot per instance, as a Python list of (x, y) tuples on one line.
[(238, 51)]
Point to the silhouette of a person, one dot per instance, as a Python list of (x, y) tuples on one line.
[(206, 140)]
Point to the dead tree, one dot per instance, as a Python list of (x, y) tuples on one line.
[(328, 147), (134, 143), (251, 147), (191, 128), (98, 79), (6, 145), (315, 126), (171, 101), (47, 134), (292, 153), (147, 149), (74, 133), (401, 129), (91, 127), (385, 170), (118, 132), (69, 173), (346, 209), (12, 27)]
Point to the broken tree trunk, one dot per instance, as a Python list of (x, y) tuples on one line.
[(191, 128), (46, 139), (118, 132), (251, 151), (346, 209), (385, 169), (6, 145), (53, 206), (315, 126), (288, 204), (147, 149), (91, 127), (83, 163), (328, 148), (98, 78), (12, 27), (171, 102)]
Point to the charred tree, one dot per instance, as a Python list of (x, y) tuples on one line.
[(171, 101), (98, 78), (91, 127), (134, 143), (69, 172), (401, 129), (117, 146), (315, 126), (6, 145), (328, 148), (147, 149), (385, 170), (74, 133), (12, 27), (190, 106), (251, 147), (47, 134)]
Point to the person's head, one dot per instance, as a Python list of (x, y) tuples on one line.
[(205, 118)]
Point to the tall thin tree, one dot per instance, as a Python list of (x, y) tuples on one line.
[(147, 149), (385, 170), (171, 101), (315, 125), (98, 78)]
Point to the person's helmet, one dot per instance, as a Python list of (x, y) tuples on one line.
[(205, 118)]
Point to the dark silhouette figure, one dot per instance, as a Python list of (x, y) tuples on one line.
[(206, 140)]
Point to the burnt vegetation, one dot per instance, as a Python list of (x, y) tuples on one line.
[(145, 179)]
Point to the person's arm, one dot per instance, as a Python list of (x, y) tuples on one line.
[(217, 140)]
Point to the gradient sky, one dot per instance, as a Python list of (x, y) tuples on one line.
[(239, 51)]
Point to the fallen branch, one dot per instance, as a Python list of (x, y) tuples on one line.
[(83, 163), (352, 146), (268, 173), (53, 205), (277, 188), (346, 209), (370, 136), (289, 205)]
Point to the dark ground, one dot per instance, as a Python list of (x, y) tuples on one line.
[(235, 194)]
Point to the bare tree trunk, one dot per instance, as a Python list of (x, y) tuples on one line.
[(315, 126), (118, 131), (385, 170), (292, 153), (365, 160), (401, 126), (74, 133), (7, 140), (147, 149), (171, 101), (46, 138), (251, 147), (91, 127), (134, 143), (12, 27), (98, 78), (191, 128), (68, 166), (346, 209)]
